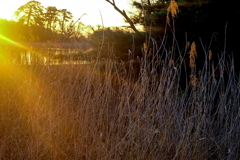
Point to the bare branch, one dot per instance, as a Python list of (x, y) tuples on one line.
[(123, 13)]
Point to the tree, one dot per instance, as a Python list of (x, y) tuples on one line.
[(64, 16), (123, 13), (51, 16), (31, 13), (211, 24), (154, 14)]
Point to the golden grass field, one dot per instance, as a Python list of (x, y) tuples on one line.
[(94, 111), (157, 107)]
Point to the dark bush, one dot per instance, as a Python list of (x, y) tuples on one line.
[(117, 42)]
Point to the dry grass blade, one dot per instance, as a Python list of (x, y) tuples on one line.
[(210, 55)]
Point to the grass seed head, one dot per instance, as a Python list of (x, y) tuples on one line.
[(172, 8), (192, 55), (194, 81), (144, 47)]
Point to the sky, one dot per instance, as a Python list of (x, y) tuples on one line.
[(77, 7)]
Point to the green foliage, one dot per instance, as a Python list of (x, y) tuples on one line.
[(150, 13), (208, 20), (197, 13)]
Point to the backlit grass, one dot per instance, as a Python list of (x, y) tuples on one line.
[(108, 111)]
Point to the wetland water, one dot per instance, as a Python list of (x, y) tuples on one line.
[(43, 53)]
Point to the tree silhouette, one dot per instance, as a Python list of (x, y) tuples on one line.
[(123, 13), (64, 16), (31, 13), (51, 16)]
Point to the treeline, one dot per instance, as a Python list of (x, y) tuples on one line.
[(37, 23), (16, 31), (211, 24), (20, 32)]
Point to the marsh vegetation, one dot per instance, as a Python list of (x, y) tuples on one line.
[(70, 111), (157, 102)]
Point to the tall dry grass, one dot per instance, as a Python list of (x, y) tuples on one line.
[(101, 111), (105, 110)]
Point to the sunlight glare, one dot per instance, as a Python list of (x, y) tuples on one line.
[(4, 14), (7, 8), (2, 37)]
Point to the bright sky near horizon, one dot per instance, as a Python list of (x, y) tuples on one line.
[(77, 7)]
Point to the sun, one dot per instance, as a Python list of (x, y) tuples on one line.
[(7, 9), (4, 14)]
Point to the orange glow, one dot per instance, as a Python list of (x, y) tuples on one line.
[(34, 104), (5, 39)]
